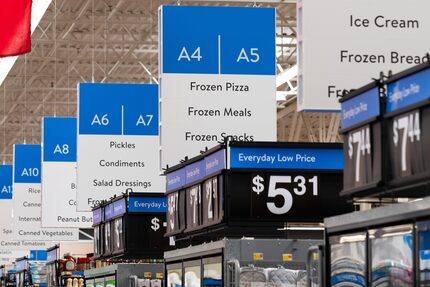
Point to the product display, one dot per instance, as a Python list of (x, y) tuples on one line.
[(169, 144)]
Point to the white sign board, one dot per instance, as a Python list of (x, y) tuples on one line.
[(118, 142), (352, 45), (8, 246), (27, 201), (59, 175), (217, 77)]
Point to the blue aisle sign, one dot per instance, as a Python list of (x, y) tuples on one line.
[(175, 179), (21, 265), (118, 109), (52, 255), (108, 212), (38, 255), (147, 204), (196, 171), (119, 207), (27, 163), (215, 162), (5, 181), (218, 40), (360, 108), (286, 158), (409, 90), (97, 216), (59, 139)]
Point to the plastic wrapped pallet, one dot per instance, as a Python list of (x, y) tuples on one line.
[(252, 277)]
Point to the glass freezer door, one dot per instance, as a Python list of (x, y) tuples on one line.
[(424, 253), (315, 266)]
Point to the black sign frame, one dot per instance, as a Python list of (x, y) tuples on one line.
[(371, 159), (229, 223), (137, 239), (410, 183)]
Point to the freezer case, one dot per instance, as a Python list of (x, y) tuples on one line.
[(239, 263)]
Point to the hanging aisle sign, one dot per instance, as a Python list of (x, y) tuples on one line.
[(59, 175), (27, 201), (370, 36), (5, 181), (118, 142), (11, 249), (217, 77)]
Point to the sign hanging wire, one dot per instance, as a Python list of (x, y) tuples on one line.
[(25, 99), (55, 58), (92, 50), (4, 122)]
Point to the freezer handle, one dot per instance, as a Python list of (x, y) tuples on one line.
[(233, 272), (315, 266)]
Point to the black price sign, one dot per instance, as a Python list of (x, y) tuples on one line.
[(406, 145), (273, 194), (362, 156), (212, 201), (175, 212), (194, 205), (285, 196)]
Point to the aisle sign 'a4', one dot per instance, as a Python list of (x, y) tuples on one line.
[(218, 48)]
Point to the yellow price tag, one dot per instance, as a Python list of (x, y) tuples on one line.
[(287, 257), (258, 256), (316, 257), (159, 275), (147, 275)]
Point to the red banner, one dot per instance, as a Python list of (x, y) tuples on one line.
[(15, 21)]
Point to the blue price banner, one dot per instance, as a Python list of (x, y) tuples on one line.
[(286, 158)]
